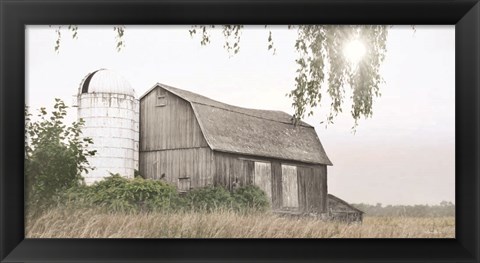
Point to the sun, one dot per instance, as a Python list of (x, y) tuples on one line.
[(354, 51)]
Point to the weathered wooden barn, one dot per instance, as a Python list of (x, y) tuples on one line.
[(192, 141)]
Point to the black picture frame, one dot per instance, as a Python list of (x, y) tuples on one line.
[(16, 14)]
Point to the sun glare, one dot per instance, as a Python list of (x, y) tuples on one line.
[(354, 51)]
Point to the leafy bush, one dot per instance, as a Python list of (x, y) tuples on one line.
[(245, 199), (55, 156), (251, 197), (209, 199), (136, 174), (117, 193)]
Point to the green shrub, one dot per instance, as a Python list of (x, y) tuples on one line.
[(55, 157), (209, 199), (244, 199), (136, 174), (116, 193), (250, 197)]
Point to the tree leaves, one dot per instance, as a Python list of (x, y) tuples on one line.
[(232, 38), (321, 62), (231, 34), (59, 37), (270, 42), (205, 37), (120, 31), (74, 29), (58, 32), (55, 155)]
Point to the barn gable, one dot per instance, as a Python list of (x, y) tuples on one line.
[(264, 133), (172, 146), (168, 122)]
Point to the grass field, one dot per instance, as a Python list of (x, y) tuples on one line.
[(58, 223)]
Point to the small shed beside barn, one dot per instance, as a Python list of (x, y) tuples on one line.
[(342, 211), (192, 141)]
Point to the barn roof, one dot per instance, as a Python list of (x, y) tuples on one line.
[(254, 132)]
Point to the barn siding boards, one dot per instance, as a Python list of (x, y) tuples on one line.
[(174, 164), (311, 179), (277, 199), (229, 167), (249, 167), (312, 183), (320, 177), (289, 187), (171, 126), (263, 178), (302, 174), (312, 192)]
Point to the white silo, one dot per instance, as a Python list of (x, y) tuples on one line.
[(107, 104)]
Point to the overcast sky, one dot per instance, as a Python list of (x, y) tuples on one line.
[(404, 154)]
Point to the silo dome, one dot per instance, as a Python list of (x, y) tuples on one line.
[(107, 104), (106, 81)]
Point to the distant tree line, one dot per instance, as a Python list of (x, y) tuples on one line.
[(443, 209)]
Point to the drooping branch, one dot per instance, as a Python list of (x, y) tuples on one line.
[(120, 31), (322, 62), (231, 33)]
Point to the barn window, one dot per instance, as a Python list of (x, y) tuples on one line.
[(183, 184), (161, 98)]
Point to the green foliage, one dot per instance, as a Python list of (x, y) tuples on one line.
[(231, 33), (244, 199), (209, 199), (136, 174), (251, 197), (58, 32), (116, 193), (55, 156), (321, 60), (76, 197), (205, 37), (120, 31), (232, 38), (270, 42)]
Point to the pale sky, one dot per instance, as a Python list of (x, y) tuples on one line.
[(404, 154)]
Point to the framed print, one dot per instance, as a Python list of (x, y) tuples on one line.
[(239, 131)]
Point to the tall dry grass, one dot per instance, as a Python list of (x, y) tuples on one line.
[(62, 223)]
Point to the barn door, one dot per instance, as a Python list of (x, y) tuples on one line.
[(289, 187), (263, 178)]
